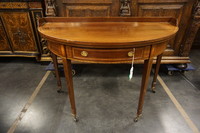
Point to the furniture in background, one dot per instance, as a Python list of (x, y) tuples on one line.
[(192, 31), (18, 29), (177, 49), (32, 45), (107, 40)]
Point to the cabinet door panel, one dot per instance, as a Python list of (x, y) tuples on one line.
[(19, 29), (157, 10), (4, 44), (173, 10), (87, 8), (87, 11)]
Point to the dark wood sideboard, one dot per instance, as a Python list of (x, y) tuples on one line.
[(192, 36), (177, 50), (18, 29)]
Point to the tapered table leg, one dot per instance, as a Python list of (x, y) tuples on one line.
[(69, 80), (144, 84), (55, 63), (158, 61)]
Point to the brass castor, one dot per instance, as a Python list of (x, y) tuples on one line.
[(136, 119), (153, 88), (170, 73), (75, 119), (60, 91), (153, 91)]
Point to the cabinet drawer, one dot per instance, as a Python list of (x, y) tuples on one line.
[(110, 54)]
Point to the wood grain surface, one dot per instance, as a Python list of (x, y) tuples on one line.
[(115, 33)]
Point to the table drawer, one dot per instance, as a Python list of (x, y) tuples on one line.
[(110, 54)]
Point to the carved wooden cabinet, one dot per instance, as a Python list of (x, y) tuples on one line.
[(176, 52), (193, 31), (18, 28), (88, 8)]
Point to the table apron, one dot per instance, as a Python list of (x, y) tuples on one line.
[(106, 55)]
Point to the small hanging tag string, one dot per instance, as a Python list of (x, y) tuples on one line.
[(132, 68)]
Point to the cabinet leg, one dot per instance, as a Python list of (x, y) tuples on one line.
[(144, 84), (69, 80), (55, 63), (158, 61)]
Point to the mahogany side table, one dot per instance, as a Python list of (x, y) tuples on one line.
[(107, 40)]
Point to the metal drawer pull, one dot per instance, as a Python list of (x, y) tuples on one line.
[(130, 54), (84, 53)]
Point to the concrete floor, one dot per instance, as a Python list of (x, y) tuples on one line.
[(106, 100)]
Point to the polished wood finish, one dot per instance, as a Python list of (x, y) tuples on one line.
[(144, 84), (55, 63), (176, 50), (18, 24), (107, 40), (110, 55), (158, 61), (68, 76), (121, 34)]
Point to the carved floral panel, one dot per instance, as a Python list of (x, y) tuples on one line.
[(18, 26)]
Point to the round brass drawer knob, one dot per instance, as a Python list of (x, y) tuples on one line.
[(84, 53), (130, 54)]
